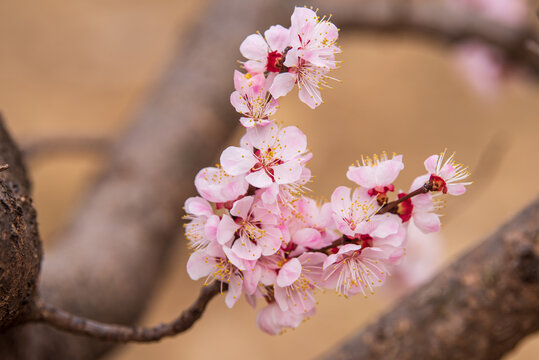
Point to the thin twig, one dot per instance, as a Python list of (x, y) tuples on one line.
[(65, 145), (63, 320)]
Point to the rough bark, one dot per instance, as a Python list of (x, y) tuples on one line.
[(480, 307), (20, 246)]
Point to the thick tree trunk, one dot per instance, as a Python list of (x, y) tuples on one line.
[(20, 246), (480, 307)]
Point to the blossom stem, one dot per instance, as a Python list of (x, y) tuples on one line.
[(63, 320), (389, 207)]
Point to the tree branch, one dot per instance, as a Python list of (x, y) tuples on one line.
[(480, 307), (440, 21), (64, 144), (20, 245), (65, 321)]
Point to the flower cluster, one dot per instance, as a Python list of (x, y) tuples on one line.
[(254, 228)]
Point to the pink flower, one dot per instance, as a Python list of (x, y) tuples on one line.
[(268, 155), (314, 38), (277, 195), (310, 80), (263, 272), (296, 282), (356, 216), (377, 174), (354, 269), (274, 321), (213, 264), (446, 176), (201, 231), (312, 226), (310, 59), (252, 100), (215, 185), (251, 232), (265, 52)]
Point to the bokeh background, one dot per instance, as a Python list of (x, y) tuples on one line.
[(82, 68)]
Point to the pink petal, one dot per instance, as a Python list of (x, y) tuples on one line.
[(259, 179), (387, 171), (272, 241), (427, 222), (269, 195), (200, 265), (288, 172), (289, 273), (330, 260), (245, 249), (239, 102), (234, 290), (254, 47), (292, 59), (362, 175), (255, 66), (430, 163), (210, 229), (308, 237), (340, 201), (312, 98), (198, 206), (456, 189), (277, 37), (237, 161), (226, 229), (262, 137), (242, 206), (447, 171), (348, 248), (385, 225), (293, 141), (282, 84)]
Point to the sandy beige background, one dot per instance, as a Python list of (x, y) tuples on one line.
[(83, 67)]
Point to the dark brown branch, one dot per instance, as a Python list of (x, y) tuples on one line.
[(393, 204), (480, 307), (65, 145), (20, 245), (65, 321), (435, 20)]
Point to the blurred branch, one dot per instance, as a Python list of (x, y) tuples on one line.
[(65, 321), (480, 307), (440, 21), (111, 256), (64, 144)]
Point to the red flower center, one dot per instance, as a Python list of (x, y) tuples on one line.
[(273, 62), (405, 208), (438, 184)]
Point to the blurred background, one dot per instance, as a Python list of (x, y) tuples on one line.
[(82, 68)]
